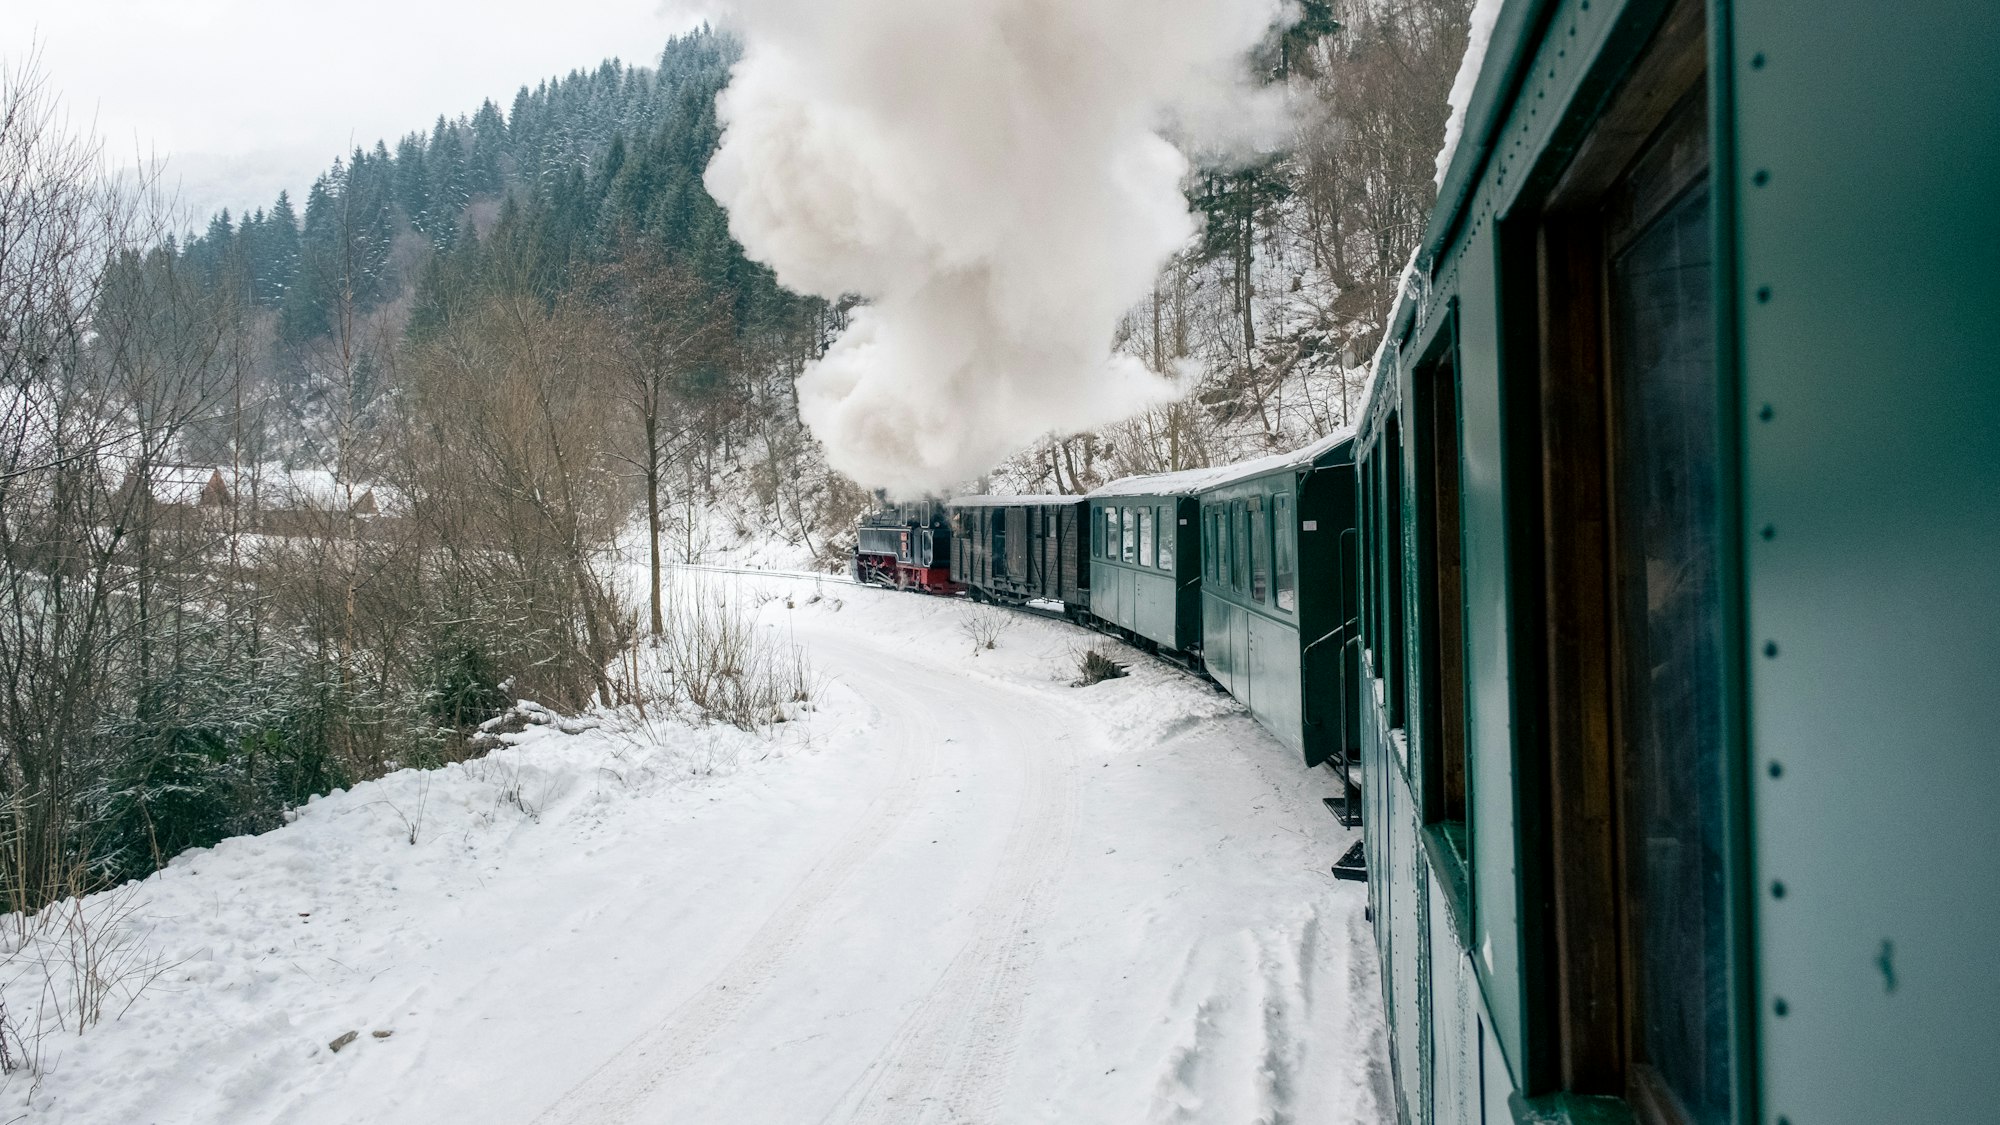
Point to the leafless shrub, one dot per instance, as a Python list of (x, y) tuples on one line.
[(714, 663), (19, 1049), (413, 821), (983, 625), (70, 965)]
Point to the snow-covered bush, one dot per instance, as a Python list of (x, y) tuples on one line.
[(1094, 667)]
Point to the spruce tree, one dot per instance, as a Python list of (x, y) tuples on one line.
[(278, 255)]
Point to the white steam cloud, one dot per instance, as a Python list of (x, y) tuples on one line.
[(991, 177)]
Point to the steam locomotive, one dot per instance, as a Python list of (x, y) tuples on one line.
[(906, 546)]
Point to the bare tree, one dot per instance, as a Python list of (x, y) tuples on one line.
[(106, 357), (665, 335)]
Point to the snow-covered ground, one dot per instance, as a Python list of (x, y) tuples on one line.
[(959, 890)]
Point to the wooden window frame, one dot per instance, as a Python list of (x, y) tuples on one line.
[(1592, 210), (1284, 554), (1260, 548), (1395, 639), (1440, 610), (1371, 600)]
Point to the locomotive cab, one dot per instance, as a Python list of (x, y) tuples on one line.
[(906, 545)]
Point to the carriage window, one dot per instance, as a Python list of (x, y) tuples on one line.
[(1219, 547), (1636, 643), (1239, 550), (1169, 529), (1146, 537), (1097, 533), (1130, 533), (999, 518), (1393, 640), (1378, 565), (1260, 549), (1670, 635), (1283, 544), (1365, 535), (1442, 603)]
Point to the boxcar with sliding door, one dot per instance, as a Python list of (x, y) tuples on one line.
[(1014, 549), (1680, 492)]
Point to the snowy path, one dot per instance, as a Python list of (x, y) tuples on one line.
[(914, 849), (965, 892)]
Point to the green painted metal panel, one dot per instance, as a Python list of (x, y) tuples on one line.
[(1867, 160), (1495, 827), (1104, 600), (1155, 607), (1217, 655), (1408, 1003), (1454, 1085), (1274, 665)]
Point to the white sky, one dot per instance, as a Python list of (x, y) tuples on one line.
[(244, 97)]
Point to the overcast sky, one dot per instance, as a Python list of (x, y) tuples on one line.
[(245, 97)]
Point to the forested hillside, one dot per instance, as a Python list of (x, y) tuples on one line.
[(312, 494), (392, 248), (1270, 319)]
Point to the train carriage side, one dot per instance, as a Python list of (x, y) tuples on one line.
[(1013, 549), (1278, 595), (1145, 574), (1679, 498)]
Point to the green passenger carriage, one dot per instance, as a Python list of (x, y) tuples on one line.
[(1680, 512), (1145, 571), (1278, 595)]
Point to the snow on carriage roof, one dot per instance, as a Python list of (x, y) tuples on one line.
[(1201, 480), (984, 500)]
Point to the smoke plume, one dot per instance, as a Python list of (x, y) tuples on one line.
[(991, 177)]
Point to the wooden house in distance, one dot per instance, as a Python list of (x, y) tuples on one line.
[(289, 503), (315, 502), (182, 495)]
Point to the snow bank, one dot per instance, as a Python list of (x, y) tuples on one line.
[(958, 877)]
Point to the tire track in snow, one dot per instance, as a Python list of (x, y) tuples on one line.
[(950, 1059), (624, 1082)]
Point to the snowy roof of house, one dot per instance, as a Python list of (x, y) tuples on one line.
[(180, 485), (990, 501), (319, 490), (1201, 480)]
